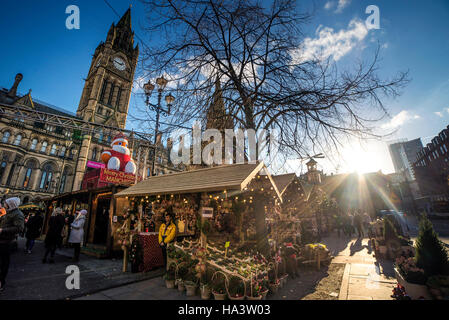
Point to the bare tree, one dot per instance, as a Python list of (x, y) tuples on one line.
[(253, 50)]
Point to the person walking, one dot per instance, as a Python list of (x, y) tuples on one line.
[(358, 224), (167, 233), (69, 218), (77, 233), (53, 237), (11, 224), (34, 228)]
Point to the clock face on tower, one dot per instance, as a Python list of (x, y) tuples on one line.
[(119, 63)]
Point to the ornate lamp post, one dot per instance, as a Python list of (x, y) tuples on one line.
[(169, 99)]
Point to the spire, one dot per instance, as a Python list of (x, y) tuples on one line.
[(125, 21), (216, 115)]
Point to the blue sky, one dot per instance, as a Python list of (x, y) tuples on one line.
[(414, 36)]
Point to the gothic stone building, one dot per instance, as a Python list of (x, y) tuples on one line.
[(39, 159)]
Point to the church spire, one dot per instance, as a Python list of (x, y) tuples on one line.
[(217, 117), (125, 21)]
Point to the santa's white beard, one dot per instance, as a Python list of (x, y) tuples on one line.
[(120, 149)]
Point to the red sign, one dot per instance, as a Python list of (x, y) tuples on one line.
[(116, 177), (95, 165)]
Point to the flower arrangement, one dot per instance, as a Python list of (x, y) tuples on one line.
[(408, 269), (399, 293)]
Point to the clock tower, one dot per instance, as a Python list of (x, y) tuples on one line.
[(107, 88)]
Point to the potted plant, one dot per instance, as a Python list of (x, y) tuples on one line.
[(181, 274), (411, 277), (219, 286), (169, 277), (191, 283), (264, 290), (206, 279), (255, 292), (236, 288)]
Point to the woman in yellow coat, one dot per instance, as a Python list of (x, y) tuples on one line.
[(167, 233)]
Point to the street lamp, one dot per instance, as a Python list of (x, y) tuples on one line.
[(148, 87)]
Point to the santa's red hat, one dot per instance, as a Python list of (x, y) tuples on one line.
[(120, 137)]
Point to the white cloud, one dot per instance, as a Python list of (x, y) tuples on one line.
[(329, 5), (329, 43), (439, 114), (400, 119), (341, 5), (447, 109)]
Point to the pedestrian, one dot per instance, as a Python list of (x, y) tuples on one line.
[(358, 224), (367, 222), (167, 233), (11, 224), (70, 217), (339, 224), (77, 233), (34, 228), (53, 237)]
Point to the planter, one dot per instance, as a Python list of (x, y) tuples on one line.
[(237, 298), (181, 286), (264, 294), (205, 293), (170, 284), (415, 291), (219, 296), (190, 289), (254, 298)]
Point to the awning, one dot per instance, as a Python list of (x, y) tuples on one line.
[(225, 177), (29, 206)]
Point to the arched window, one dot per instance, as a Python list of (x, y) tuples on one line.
[(27, 179), (18, 140), (46, 178), (2, 168), (44, 146), (63, 151), (6, 136), (33, 144), (94, 154), (53, 150), (26, 200), (64, 179), (100, 136)]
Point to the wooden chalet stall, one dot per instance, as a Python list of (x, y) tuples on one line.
[(100, 206), (233, 199)]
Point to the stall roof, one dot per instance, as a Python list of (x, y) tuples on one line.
[(282, 181), (229, 177)]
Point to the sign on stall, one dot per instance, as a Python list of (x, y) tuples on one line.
[(207, 212), (116, 177)]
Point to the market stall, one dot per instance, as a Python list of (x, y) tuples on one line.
[(212, 207)]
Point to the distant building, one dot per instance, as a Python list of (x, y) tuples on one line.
[(431, 170), (403, 154)]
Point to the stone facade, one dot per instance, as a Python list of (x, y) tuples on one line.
[(38, 160)]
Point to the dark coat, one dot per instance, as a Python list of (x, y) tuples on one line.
[(34, 226), (55, 225), (11, 224)]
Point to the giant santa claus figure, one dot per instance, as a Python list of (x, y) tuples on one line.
[(119, 157)]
